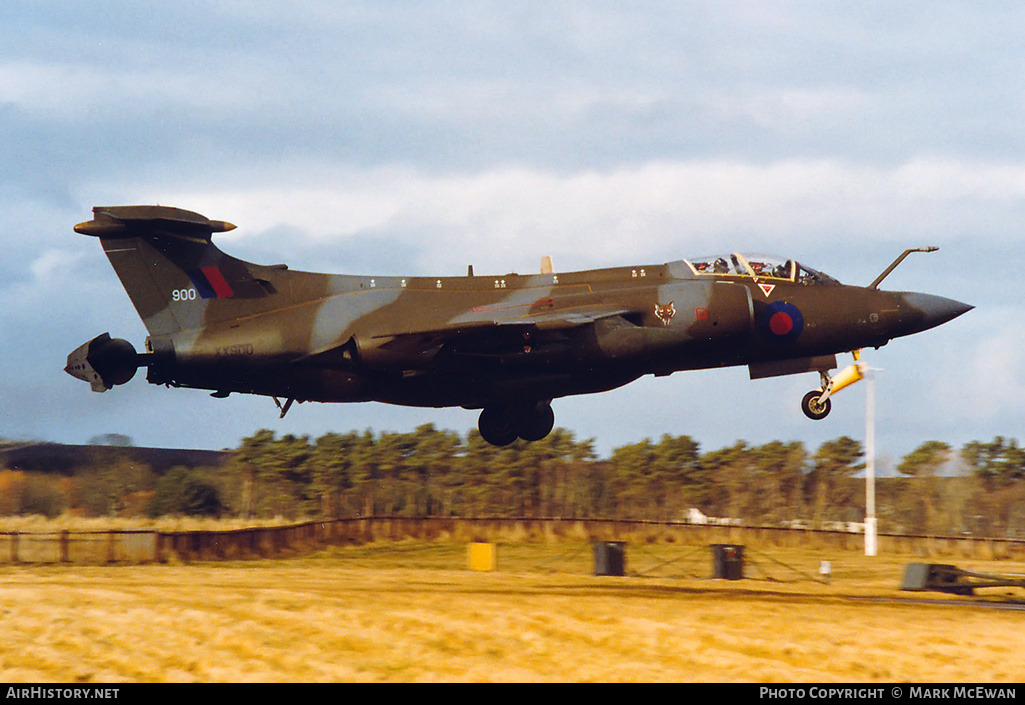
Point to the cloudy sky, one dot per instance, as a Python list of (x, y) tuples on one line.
[(415, 138)]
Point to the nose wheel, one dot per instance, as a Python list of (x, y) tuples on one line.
[(814, 406)]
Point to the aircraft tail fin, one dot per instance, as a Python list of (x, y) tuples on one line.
[(175, 276)]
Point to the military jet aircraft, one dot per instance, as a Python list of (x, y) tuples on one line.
[(506, 344)]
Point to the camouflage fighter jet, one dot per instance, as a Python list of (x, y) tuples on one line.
[(507, 345)]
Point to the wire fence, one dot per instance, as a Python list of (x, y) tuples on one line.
[(148, 546)]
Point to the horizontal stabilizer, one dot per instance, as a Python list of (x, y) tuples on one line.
[(133, 221)]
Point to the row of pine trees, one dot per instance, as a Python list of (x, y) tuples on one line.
[(977, 489)]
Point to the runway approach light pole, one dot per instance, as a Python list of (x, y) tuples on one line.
[(870, 425), (870, 463)]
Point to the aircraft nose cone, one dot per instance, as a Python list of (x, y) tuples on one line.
[(924, 311)]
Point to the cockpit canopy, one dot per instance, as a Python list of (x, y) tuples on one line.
[(758, 267)]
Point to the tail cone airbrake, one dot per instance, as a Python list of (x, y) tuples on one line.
[(104, 362)]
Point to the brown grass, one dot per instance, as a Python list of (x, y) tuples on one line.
[(70, 522), (413, 612)]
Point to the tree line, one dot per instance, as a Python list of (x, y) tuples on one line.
[(938, 489)]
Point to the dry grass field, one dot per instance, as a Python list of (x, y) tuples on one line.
[(414, 612)]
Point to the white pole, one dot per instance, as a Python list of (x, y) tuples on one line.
[(870, 466)]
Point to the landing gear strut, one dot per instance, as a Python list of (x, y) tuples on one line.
[(502, 424), (816, 404)]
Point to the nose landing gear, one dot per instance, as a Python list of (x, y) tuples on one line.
[(816, 404)]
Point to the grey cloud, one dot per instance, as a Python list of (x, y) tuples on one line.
[(150, 99)]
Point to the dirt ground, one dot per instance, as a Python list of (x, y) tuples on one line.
[(416, 612)]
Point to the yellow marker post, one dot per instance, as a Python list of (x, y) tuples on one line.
[(481, 556)]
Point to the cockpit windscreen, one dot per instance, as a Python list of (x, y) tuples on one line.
[(758, 267)]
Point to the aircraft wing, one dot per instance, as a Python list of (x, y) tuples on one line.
[(492, 317), (496, 331), (487, 331)]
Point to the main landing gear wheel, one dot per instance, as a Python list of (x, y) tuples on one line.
[(501, 425), (814, 407), (537, 423), (496, 426)]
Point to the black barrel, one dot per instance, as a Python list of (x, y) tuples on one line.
[(727, 561), (609, 557)]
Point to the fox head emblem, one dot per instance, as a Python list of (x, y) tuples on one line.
[(665, 312)]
